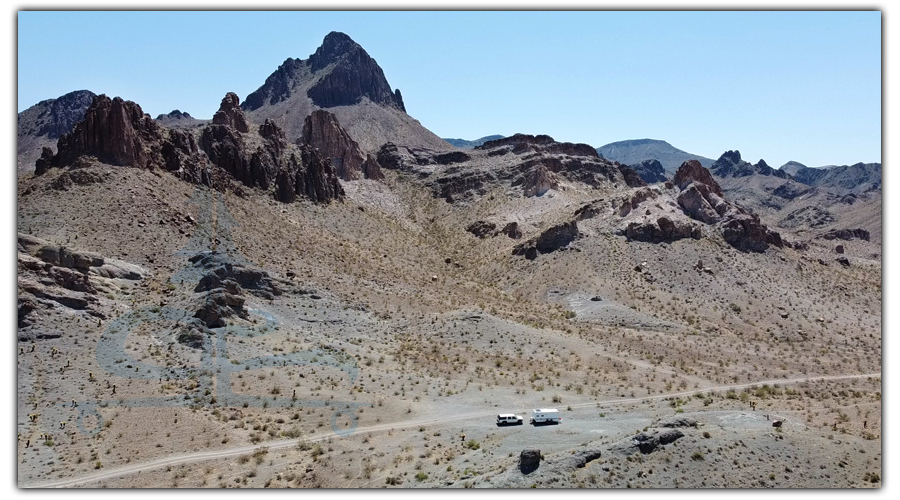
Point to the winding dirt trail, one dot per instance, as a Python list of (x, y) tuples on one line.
[(287, 443)]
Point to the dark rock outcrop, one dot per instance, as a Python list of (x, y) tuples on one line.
[(646, 442), (231, 114), (322, 131), (316, 180), (846, 234), (512, 230), (451, 158), (482, 229), (676, 422), (390, 157), (632, 179), (551, 240), (651, 171), (746, 232), (663, 230), (790, 190)]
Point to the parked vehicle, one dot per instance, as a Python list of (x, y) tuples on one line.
[(545, 416), (509, 419)]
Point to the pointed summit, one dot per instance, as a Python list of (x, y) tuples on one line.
[(341, 77), (339, 73), (335, 45)]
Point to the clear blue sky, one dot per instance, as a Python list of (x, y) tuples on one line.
[(781, 86)]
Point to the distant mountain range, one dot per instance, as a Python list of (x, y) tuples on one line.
[(634, 151), (856, 178), (464, 144)]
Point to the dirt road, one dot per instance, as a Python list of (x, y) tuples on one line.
[(487, 416)]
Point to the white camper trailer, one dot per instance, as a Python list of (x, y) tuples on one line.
[(545, 416)]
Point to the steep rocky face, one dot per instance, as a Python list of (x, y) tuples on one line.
[(355, 75), (730, 164), (278, 85), (226, 149), (746, 232), (317, 180), (322, 131), (651, 171), (230, 114), (115, 131)]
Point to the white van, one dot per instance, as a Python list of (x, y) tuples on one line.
[(545, 416), (509, 419)]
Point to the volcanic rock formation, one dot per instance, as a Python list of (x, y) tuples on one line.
[(322, 131)]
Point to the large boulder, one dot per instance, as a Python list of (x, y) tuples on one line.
[(529, 460), (551, 240), (482, 229)]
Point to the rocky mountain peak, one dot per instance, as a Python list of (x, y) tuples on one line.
[(335, 46), (64, 112), (730, 164)]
